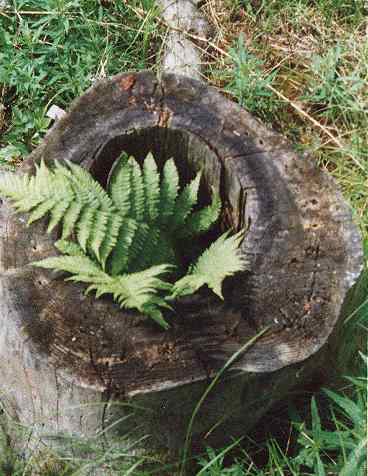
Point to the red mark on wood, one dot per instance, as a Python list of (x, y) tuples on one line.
[(127, 82)]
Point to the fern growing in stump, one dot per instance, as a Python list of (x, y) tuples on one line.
[(123, 241)]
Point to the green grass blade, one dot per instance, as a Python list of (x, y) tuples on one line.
[(356, 460), (350, 408), (210, 387)]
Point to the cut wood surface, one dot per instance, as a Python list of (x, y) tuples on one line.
[(61, 351)]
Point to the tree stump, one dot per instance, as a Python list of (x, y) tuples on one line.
[(62, 352)]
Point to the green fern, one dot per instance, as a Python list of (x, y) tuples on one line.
[(151, 180), (185, 203), (220, 260), (161, 214), (202, 220), (125, 238), (119, 186), (134, 291), (168, 192)]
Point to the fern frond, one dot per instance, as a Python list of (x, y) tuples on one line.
[(149, 243), (42, 175), (138, 291), (92, 213), (71, 218), (137, 204), (110, 240), (29, 192), (220, 260), (14, 186), (27, 204), (151, 181), (78, 266), (99, 232), (41, 209), (85, 226), (168, 192), (122, 250), (185, 202), (133, 227), (84, 185), (137, 245), (119, 185), (202, 220), (133, 291), (155, 313), (188, 284), (69, 248), (165, 251), (57, 212)]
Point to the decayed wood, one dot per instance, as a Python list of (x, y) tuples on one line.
[(181, 55), (60, 349)]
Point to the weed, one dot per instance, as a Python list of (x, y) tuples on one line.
[(336, 95), (249, 82)]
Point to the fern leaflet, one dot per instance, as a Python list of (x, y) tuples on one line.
[(134, 291), (151, 180), (120, 255), (119, 185), (168, 192), (69, 248), (220, 260), (185, 202), (202, 220), (137, 190)]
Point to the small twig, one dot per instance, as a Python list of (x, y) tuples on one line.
[(4, 14), (320, 126), (305, 114)]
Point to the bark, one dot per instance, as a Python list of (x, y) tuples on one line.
[(61, 351)]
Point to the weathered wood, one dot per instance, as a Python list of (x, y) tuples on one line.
[(181, 55), (60, 350)]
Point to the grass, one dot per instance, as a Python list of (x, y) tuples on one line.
[(300, 66), (333, 445), (51, 51)]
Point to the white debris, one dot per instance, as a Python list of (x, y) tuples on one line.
[(55, 112)]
